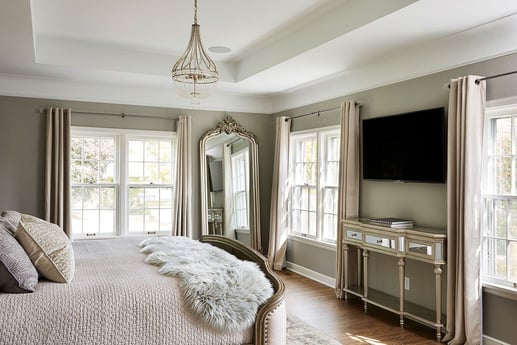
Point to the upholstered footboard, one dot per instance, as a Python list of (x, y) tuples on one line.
[(270, 325)]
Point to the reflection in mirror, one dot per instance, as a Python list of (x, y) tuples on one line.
[(229, 183)]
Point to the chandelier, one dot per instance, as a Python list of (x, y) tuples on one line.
[(195, 74)]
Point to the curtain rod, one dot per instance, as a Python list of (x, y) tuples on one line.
[(122, 115), (495, 76), (479, 80), (316, 112)]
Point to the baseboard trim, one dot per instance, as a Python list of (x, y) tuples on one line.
[(491, 341), (308, 273)]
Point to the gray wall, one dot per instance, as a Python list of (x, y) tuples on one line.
[(22, 147), (423, 202), (499, 317)]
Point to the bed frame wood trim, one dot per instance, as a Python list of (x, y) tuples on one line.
[(276, 302)]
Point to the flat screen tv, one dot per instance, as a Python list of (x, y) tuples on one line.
[(408, 147)]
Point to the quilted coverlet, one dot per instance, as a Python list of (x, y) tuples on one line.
[(114, 298)]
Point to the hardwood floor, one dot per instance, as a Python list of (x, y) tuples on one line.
[(346, 321)]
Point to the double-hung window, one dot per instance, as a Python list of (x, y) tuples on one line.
[(499, 234), (122, 182), (150, 184), (95, 183), (240, 176), (313, 167)]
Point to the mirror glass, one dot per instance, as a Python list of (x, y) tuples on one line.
[(229, 183)]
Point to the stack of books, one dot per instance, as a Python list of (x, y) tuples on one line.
[(393, 222)]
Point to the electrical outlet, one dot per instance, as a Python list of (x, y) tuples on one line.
[(406, 283)]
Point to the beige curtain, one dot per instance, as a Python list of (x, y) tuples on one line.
[(254, 199), (57, 170), (465, 137), (349, 177), (182, 219), (278, 217)]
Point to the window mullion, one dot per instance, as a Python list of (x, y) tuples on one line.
[(321, 166), (507, 228), (123, 204), (512, 157)]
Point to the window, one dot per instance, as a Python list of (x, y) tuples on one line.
[(122, 182), (95, 184), (150, 185), (500, 199), (240, 177), (314, 163)]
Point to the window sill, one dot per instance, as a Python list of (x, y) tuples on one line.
[(111, 237), (500, 290), (91, 238), (315, 243)]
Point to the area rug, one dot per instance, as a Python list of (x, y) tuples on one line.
[(300, 333)]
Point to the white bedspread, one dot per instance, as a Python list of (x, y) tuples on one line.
[(115, 298)]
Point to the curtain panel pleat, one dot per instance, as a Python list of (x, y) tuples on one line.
[(254, 199), (57, 168), (466, 114), (279, 196), (182, 219), (348, 187)]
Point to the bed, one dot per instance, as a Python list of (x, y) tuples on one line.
[(116, 298)]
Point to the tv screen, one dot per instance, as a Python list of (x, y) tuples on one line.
[(406, 147)]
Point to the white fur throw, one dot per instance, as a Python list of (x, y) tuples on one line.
[(222, 290)]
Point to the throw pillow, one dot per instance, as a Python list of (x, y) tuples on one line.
[(17, 273), (7, 225), (48, 248), (12, 216)]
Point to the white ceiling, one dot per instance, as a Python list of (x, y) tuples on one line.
[(284, 54)]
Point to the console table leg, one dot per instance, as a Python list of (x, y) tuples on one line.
[(366, 254), (438, 287), (402, 265), (359, 254), (344, 274)]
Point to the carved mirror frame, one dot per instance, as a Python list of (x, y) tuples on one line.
[(228, 125)]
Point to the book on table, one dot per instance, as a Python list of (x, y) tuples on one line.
[(393, 222)]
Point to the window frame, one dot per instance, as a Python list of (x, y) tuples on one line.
[(86, 132), (244, 153), (323, 151), (320, 135), (493, 111), (121, 167)]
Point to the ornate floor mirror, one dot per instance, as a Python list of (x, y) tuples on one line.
[(230, 199)]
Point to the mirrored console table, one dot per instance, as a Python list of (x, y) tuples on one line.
[(426, 245), (215, 221)]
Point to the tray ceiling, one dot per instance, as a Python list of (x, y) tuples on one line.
[(284, 54)]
